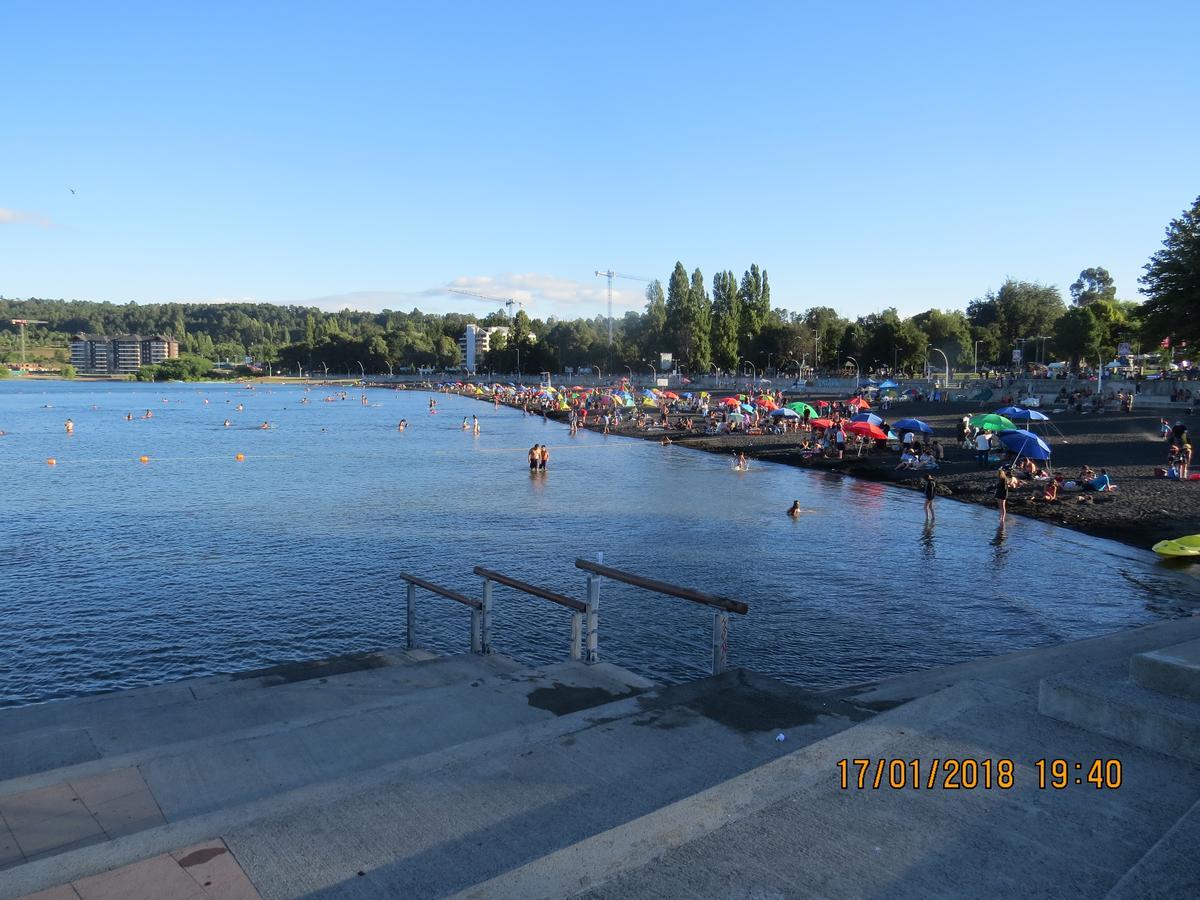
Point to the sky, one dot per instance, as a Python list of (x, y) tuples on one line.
[(372, 155)]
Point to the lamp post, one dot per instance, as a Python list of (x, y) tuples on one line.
[(768, 368), (977, 343), (630, 371), (716, 373), (855, 361), (361, 371), (598, 375), (653, 374), (946, 384), (1041, 353), (753, 370)]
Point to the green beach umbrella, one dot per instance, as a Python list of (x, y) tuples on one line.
[(992, 422), (800, 406)]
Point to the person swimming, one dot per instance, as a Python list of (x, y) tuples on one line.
[(129, 417), (465, 425), (69, 426), (794, 509), (403, 424), (227, 423), (742, 463)]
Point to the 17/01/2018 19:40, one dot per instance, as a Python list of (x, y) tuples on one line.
[(970, 774)]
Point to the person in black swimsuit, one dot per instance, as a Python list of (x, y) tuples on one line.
[(1002, 492), (930, 488)]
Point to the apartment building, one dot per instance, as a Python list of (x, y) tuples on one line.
[(94, 354)]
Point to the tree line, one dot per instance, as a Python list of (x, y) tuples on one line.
[(732, 327)]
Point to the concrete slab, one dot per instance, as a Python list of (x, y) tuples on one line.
[(10, 853), (49, 819), (789, 829), (161, 878), (1171, 670), (212, 866), (1169, 869), (62, 892), (1102, 699), (42, 753)]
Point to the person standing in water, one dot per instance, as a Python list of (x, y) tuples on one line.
[(1002, 492), (465, 426), (474, 424), (930, 489), (535, 457), (543, 457), (742, 463), (69, 426)]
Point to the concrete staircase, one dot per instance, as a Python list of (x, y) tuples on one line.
[(375, 773), (1152, 700), (400, 774)]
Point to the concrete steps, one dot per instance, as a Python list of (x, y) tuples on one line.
[(1169, 868), (440, 821), (788, 829), (56, 811), (1172, 670)]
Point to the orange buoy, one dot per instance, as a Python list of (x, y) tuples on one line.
[(144, 459), (52, 461), (240, 457)]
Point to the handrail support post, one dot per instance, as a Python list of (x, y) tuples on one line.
[(485, 619), (593, 620), (411, 631), (720, 647)]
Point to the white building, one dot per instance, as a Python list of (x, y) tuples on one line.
[(475, 342)]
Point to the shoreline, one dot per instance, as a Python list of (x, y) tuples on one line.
[(1142, 511)]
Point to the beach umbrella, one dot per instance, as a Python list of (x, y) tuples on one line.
[(1020, 414), (866, 417), (748, 408), (785, 413), (859, 403), (1025, 443), (912, 425), (730, 401), (799, 406), (820, 423), (736, 417), (670, 395), (992, 422), (887, 385), (867, 430)]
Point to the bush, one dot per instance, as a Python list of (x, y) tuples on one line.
[(68, 371)]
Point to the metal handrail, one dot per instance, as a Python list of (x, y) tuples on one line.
[(584, 621), (662, 587), (481, 624), (554, 597), (441, 591), (723, 605)]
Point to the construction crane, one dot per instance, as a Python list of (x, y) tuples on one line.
[(508, 302), (610, 275), (23, 323)]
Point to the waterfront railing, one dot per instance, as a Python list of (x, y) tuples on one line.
[(585, 638), (723, 605)]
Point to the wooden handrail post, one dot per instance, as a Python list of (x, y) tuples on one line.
[(576, 636), (485, 632), (720, 658), (411, 641), (476, 631), (593, 607)]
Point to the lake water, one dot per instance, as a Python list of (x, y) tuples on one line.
[(115, 573)]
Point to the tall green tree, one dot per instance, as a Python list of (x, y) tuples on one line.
[(725, 321), (678, 323), (1092, 285), (1078, 333), (654, 331), (1020, 311), (754, 307), (699, 346), (1172, 282)]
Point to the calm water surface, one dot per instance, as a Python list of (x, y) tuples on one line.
[(115, 573)]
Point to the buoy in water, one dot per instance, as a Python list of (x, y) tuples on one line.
[(240, 457), (143, 459), (52, 461)]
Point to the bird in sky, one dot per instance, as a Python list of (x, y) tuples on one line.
[(72, 190)]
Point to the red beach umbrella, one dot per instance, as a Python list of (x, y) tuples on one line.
[(820, 423), (867, 430), (859, 403)]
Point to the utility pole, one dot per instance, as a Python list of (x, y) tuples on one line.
[(22, 323)]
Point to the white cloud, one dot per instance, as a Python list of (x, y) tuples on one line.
[(544, 296), (18, 217)]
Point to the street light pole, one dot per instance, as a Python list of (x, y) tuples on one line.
[(977, 343), (855, 361), (946, 385)]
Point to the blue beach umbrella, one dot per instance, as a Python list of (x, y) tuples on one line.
[(1025, 443), (748, 408), (912, 425), (866, 417), (1020, 414), (888, 384), (785, 413)]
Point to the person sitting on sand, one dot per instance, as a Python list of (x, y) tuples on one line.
[(1048, 493), (1027, 467), (926, 461), (907, 461), (794, 509), (1086, 474), (1101, 482)]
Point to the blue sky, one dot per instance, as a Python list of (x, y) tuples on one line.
[(371, 154)]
